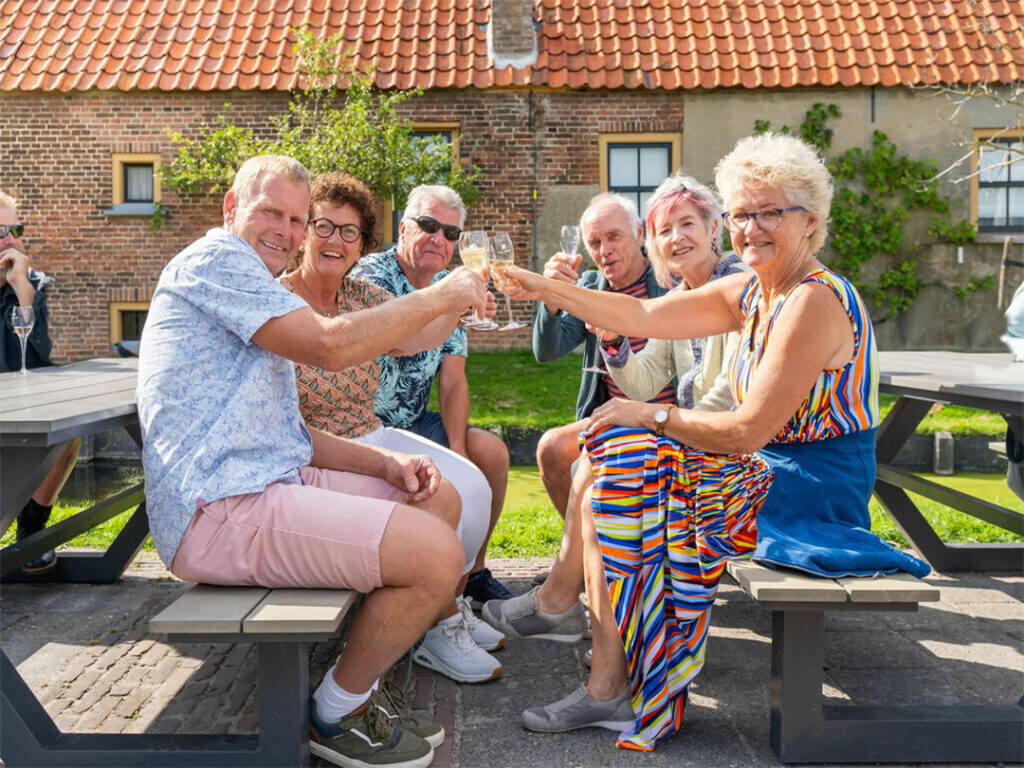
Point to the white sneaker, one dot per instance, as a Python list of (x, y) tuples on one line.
[(449, 649), (483, 634)]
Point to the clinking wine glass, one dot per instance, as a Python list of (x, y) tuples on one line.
[(570, 239), (473, 250), (503, 257), (22, 320)]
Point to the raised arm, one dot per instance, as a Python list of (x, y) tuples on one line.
[(350, 339), (812, 333), (706, 311), (644, 374)]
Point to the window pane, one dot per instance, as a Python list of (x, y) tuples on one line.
[(644, 197), (991, 207), (1017, 207), (132, 322), (1016, 155), (622, 170), (138, 183), (654, 165), (991, 165)]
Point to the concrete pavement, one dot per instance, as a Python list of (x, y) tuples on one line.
[(85, 651)]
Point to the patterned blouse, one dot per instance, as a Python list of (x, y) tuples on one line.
[(843, 400), (341, 402)]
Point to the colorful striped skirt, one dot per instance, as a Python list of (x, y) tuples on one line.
[(668, 518)]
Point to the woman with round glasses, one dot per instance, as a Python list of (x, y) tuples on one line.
[(786, 475), (341, 230)]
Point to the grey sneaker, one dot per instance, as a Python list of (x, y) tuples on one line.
[(366, 737), (520, 616), (388, 698), (579, 710)]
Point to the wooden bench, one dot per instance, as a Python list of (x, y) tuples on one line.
[(803, 730), (281, 622)]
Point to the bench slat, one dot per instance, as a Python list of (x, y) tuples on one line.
[(206, 609), (891, 588), (767, 585), (298, 611)]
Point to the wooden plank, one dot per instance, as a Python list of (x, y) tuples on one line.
[(297, 611), (206, 609), (891, 588), (768, 585)]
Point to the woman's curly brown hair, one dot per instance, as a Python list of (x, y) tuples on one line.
[(340, 188)]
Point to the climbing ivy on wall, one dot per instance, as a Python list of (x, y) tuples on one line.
[(877, 190)]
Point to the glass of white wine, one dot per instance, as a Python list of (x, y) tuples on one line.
[(570, 240), (22, 320), (503, 257), (473, 250)]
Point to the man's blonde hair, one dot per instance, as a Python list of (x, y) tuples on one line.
[(248, 176)]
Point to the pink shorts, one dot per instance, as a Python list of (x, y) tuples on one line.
[(324, 533)]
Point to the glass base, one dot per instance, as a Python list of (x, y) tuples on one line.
[(511, 325)]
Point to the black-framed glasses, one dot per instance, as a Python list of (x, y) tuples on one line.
[(430, 226), (325, 228), (17, 230), (768, 219)]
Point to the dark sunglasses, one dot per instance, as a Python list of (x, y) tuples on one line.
[(430, 226), (18, 229)]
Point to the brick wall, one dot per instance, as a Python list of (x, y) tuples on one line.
[(57, 151)]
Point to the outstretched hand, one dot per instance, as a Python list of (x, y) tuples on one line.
[(523, 285), (464, 289)]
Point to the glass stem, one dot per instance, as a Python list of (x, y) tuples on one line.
[(24, 342)]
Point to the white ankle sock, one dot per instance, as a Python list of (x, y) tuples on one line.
[(333, 702)]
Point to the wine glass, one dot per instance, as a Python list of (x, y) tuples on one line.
[(22, 320), (599, 366), (570, 240), (503, 257), (473, 248)]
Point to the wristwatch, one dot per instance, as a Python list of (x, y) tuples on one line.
[(661, 419), (614, 343)]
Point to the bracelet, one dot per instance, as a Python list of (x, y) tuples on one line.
[(614, 343)]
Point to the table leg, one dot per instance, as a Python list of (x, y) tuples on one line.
[(897, 428), (22, 470)]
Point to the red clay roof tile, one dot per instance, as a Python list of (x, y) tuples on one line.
[(660, 44)]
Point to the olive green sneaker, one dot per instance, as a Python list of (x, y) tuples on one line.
[(389, 699), (366, 738)]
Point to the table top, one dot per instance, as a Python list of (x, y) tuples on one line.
[(989, 380), (56, 403)]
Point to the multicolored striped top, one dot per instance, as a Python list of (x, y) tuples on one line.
[(842, 401), (668, 392)]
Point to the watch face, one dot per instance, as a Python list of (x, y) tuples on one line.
[(661, 415)]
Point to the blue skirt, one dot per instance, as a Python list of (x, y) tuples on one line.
[(815, 517)]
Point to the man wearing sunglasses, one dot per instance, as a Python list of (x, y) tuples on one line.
[(22, 286), (427, 235)]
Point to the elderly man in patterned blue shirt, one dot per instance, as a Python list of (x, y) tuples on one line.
[(430, 228), (240, 492)]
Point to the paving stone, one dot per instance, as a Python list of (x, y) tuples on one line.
[(97, 713)]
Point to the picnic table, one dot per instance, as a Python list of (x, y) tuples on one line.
[(38, 413), (986, 381)]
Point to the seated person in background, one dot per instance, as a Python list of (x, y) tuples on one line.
[(684, 235), (341, 229), (806, 386), (427, 235), (240, 492), (22, 286)]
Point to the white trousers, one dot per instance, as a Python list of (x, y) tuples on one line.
[(460, 472)]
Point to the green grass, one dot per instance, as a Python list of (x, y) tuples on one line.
[(511, 389), (530, 527)]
